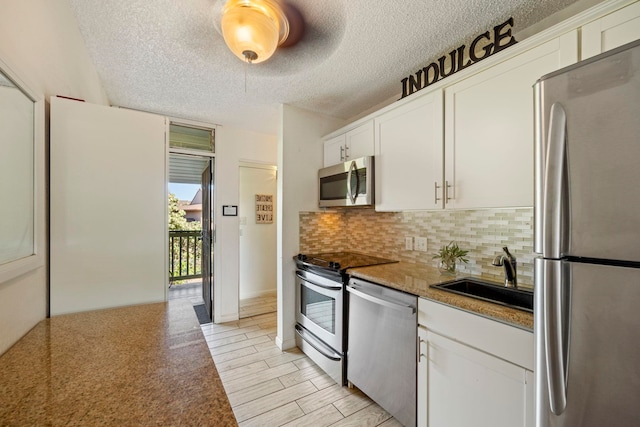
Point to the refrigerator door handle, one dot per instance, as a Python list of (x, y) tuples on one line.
[(555, 185), (539, 159), (555, 331)]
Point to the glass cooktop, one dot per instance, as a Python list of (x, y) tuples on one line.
[(341, 260)]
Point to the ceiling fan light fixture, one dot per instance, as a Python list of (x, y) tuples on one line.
[(253, 29)]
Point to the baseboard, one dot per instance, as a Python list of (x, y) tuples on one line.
[(285, 345), (225, 318), (258, 294)]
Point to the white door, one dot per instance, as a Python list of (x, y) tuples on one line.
[(108, 207), (257, 232)]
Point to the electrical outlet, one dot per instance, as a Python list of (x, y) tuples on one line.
[(421, 244), (408, 243)]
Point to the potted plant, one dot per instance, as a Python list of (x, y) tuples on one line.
[(449, 255)]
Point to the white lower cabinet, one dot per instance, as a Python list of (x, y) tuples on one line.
[(473, 377)]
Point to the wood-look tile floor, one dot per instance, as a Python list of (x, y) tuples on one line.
[(249, 307), (255, 306), (269, 387)]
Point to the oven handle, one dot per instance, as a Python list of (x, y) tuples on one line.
[(305, 279), (408, 309), (317, 345)]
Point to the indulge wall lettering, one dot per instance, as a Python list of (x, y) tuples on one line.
[(437, 70)]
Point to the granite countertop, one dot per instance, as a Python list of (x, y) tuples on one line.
[(139, 365), (416, 279)]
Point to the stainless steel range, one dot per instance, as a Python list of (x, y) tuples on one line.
[(321, 311)]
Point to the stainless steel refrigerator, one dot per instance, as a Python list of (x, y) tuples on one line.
[(587, 236)]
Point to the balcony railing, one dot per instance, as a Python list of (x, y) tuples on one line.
[(185, 255)]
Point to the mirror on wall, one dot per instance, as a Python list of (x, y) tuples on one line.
[(21, 142)]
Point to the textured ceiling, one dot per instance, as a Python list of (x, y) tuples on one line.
[(166, 56)]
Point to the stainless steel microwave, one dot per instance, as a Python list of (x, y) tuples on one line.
[(347, 184)]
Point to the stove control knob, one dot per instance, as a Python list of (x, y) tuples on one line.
[(335, 265), (302, 257)]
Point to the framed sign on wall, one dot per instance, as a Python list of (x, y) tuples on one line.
[(264, 208)]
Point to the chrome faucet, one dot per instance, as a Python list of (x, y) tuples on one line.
[(509, 262)]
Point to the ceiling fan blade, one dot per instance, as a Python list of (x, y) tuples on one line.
[(296, 24)]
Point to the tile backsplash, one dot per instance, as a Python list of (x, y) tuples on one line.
[(482, 232)]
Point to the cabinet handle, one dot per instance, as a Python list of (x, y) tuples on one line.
[(436, 192), (447, 186), (342, 156), (419, 352), (318, 346), (346, 152), (401, 307)]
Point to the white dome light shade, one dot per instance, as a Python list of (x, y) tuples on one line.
[(253, 29)]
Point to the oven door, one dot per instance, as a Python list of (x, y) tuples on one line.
[(319, 307)]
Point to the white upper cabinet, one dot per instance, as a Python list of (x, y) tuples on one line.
[(489, 128), (334, 150), (408, 162), (358, 142), (611, 31)]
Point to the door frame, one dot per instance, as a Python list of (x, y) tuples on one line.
[(254, 165), (211, 155)]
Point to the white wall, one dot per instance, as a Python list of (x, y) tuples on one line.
[(102, 256), (41, 42), (233, 146), (42, 39), (257, 241), (300, 155)]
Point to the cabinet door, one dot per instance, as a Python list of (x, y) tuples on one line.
[(611, 31), (334, 150), (460, 386), (489, 128), (423, 396), (360, 142), (408, 157)]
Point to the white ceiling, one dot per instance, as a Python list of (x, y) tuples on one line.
[(166, 56)]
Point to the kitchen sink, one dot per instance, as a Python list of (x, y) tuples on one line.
[(474, 288)]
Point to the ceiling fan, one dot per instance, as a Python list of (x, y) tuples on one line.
[(254, 29)]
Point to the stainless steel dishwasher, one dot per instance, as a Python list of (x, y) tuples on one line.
[(381, 357)]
